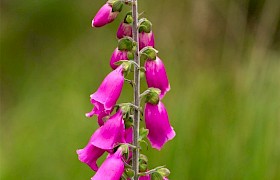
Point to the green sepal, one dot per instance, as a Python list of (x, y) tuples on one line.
[(130, 55), (117, 6), (143, 167), (125, 43), (156, 176), (153, 96), (143, 159), (163, 172), (126, 68), (145, 25), (129, 172), (128, 122), (128, 18), (148, 53), (143, 133)]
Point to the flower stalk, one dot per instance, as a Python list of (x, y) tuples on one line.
[(135, 153)]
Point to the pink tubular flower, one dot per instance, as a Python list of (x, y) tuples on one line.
[(146, 39), (104, 16), (160, 130), (105, 98), (156, 76), (111, 133), (117, 56), (89, 155), (112, 168), (124, 29)]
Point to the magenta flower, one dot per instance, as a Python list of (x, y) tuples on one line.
[(124, 29), (111, 133), (112, 168), (146, 39), (128, 135), (104, 16), (105, 98), (117, 56), (156, 76), (160, 130), (90, 154)]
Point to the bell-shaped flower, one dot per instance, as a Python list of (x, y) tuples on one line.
[(157, 122), (112, 168), (90, 154), (146, 39), (104, 16), (156, 75), (124, 29), (111, 133), (105, 98), (117, 56)]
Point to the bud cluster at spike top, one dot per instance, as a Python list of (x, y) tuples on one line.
[(115, 133)]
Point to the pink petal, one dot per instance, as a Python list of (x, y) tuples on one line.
[(157, 122), (111, 169), (104, 16), (146, 39), (124, 30), (117, 56), (156, 76), (110, 134)]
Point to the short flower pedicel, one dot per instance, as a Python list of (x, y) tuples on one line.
[(119, 134)]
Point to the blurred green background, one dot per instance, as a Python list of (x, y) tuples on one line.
[(223, 62)]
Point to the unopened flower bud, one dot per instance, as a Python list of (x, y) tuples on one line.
[(104, 16), (164, 172), (145, 25), (153, 96), (129, 172), (125, 28)]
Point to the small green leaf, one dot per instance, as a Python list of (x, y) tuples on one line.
[(143, 133)]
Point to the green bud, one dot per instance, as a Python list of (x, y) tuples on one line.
[(128, 19), (164, 172), (153, 96), (156, 176), (149, 53), (143, 167), (117, 6), (125, 43), (129, 172), (145, 25)]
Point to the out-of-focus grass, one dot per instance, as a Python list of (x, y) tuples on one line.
[(224, 102)]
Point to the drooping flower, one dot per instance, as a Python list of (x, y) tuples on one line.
[(146, 39), (90, 154), (117, 56), (104, 16), (111, 133), (112, 168), (124, 29), (105, 98), (156, 75), (157, 122)]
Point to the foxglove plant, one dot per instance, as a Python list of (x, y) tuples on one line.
[(119, 134)]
